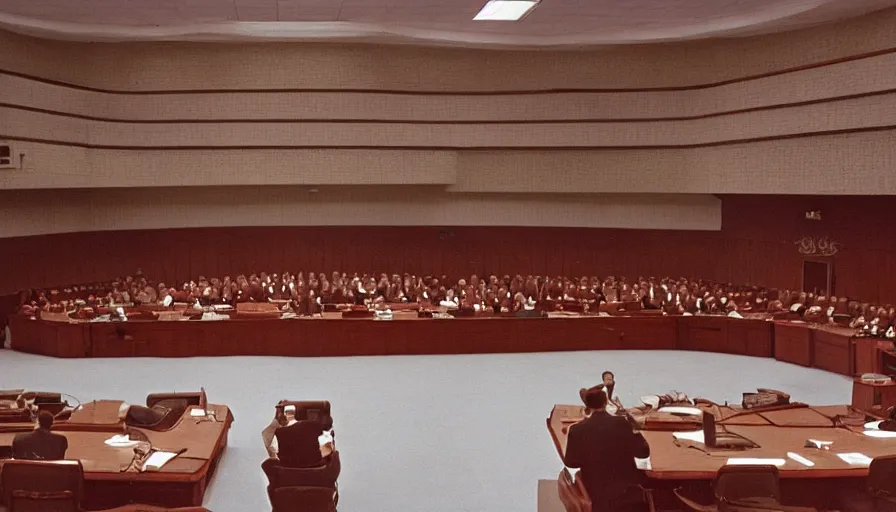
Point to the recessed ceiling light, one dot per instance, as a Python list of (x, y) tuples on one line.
[(505, 10)]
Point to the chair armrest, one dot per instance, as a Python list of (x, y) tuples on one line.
[(693, 505)]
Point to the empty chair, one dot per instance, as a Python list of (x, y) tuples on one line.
[(163, 410), (38, 485), (744, 489), (58, 486), (881, 489)]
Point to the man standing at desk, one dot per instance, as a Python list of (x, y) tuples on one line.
[(40, 444), (605, 448)]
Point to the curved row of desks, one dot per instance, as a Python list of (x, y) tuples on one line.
[(828, 348)]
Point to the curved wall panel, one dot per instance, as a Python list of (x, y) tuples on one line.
[(846, 163), (857, 114), (64, 211), (702, 117)]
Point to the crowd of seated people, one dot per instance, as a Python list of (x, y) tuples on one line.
[(306, 293)]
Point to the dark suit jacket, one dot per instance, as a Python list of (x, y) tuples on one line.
[(39, 444), (605, 448), (298, 445)]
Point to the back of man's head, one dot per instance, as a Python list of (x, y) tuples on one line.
[(45, 419), (594, 398)]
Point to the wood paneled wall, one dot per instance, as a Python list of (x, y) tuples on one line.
[(756, 245)]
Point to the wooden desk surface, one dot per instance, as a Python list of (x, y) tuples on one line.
[(674, 460), (200, 436)]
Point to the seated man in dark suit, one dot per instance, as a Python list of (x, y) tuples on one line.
[(40, 444), (605, 448)]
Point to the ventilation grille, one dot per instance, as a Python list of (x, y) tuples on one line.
[(7, 156)]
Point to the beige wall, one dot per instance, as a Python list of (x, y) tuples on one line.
[(815, 115), (62, 211)]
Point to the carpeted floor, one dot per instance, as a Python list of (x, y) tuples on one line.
[(427, 433)]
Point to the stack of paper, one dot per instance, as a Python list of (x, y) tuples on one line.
[(158, 459)]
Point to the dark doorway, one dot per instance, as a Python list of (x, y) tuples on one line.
[(818, 277)]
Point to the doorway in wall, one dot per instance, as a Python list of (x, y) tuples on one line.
[(818, 277)]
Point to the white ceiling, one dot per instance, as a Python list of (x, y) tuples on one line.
[(445, 22)]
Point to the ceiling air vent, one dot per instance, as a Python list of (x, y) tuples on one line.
[(7, 156)]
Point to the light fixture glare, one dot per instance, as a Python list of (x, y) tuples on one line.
[(505, 10)]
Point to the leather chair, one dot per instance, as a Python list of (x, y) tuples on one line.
[(33, 486), (37, 485), (282, 476), (303, 499), (311, 410), (572, 493), (163, 410), (736, 488), (184, 399), (882, 479)]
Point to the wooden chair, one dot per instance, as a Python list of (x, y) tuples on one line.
[(58, 486), (572, 493), (744, 489)]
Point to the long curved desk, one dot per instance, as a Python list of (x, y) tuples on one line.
[(828, 348), (111, 479)]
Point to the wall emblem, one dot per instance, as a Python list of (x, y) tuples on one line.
[(818, 246)]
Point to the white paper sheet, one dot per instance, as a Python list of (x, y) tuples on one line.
[(855, 459), (197, 413), (696, 436), (737, 461), (682, 410), (157, 460), (879, 433), (643, 464), (799, 458), (120, 441)]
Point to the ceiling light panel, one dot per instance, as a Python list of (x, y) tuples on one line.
[(505, 10)]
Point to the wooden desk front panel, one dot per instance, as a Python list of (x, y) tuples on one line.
[(832, 351), (705, 334), (865, 358), (49, 338), (326, 337), (750, 337), (793, 343), (409, 335)]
